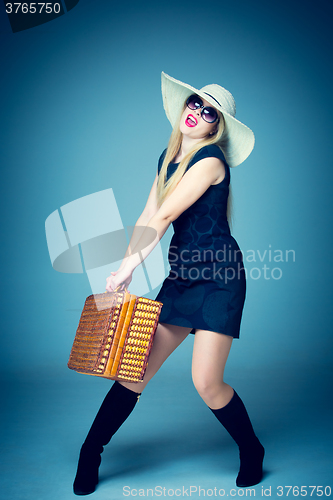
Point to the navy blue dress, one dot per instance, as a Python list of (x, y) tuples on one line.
[(206, 286)]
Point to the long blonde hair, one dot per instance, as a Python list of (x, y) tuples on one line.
[(164, 188)]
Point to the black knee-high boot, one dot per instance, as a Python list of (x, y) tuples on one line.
[(235, 419), (116, 407)]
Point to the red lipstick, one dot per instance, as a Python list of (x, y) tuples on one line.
[(191, 121)]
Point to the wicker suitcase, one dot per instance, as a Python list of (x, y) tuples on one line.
[(115, 336)]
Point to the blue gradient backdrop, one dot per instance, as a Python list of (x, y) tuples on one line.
[(81, 111)]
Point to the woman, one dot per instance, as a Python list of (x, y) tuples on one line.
[(205, 290)]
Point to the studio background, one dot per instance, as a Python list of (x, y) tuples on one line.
[(81, 112)]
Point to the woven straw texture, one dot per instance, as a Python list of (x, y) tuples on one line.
[(115, 336)]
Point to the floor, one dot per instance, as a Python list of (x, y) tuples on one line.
[(171, 445)]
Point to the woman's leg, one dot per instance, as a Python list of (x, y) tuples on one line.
[(167, 339), (118, 405), (210, 354)]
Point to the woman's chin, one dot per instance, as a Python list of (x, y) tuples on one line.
[(191, 133)]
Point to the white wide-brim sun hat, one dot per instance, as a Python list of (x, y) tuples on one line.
[(239, 140)]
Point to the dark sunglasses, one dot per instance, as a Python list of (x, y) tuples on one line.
[(208, 114)]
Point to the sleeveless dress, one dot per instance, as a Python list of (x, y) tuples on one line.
[(206, 286)]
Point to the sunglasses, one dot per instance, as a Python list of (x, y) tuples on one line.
[(208, 113)]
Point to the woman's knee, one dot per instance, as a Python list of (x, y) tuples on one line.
[(206, 385), (214, 391)]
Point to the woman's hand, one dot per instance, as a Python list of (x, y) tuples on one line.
[(117, 278)]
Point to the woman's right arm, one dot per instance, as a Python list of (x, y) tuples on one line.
[(148, 212)]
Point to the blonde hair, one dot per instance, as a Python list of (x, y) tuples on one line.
[(164, 188)]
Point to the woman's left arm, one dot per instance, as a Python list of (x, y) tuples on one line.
[(190, 188)]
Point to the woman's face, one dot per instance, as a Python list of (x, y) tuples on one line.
[(193, 125)]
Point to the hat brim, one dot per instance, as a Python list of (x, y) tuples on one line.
[(240, 138)]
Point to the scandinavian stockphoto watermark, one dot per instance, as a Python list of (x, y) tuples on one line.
[(187, 491), (27, 15), (228, 263), (87, 235), (199, 491), (256, 261)]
